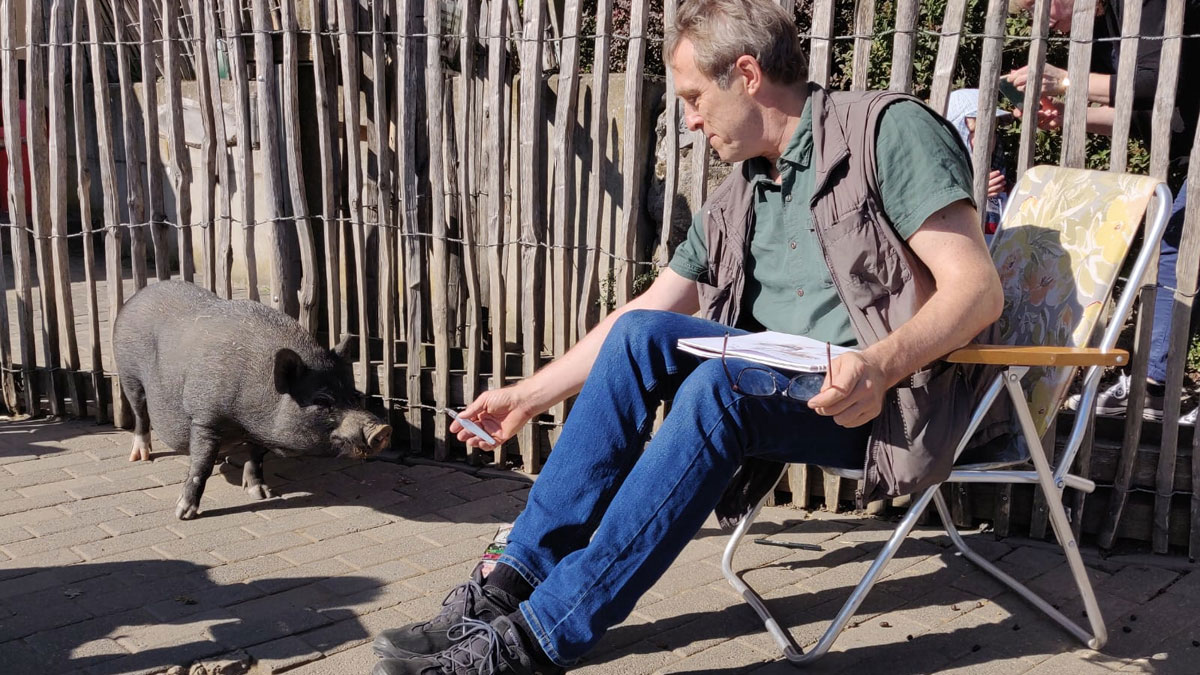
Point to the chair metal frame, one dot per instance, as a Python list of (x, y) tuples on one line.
[(1051, 480)]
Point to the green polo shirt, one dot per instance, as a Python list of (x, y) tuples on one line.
[(788, 285)]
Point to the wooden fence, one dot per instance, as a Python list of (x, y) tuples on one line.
[(448, 183)]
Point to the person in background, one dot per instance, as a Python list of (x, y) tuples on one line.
[(1102, 95), (962, 109)]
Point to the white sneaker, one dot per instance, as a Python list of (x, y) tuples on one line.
[(1189, 420), (1112, 401)]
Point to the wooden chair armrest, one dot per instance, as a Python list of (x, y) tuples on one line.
[(1007, 355)]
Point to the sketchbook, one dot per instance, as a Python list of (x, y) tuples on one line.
[(778, 350)]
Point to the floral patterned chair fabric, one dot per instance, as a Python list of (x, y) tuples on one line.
[(1058, 251)]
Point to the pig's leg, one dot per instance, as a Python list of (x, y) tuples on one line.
[(136, 393), (252, 474), (203, 446)]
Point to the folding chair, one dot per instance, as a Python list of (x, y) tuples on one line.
[(1061, 243)]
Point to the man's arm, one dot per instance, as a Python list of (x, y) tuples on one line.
[(968, 297), (502, 412), (564, 376)]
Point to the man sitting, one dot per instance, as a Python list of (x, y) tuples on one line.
[(850, 220)]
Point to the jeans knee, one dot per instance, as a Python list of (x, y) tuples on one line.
[(637, 327)]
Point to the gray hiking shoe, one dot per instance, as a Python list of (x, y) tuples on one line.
[(480, 648), (471, 600)]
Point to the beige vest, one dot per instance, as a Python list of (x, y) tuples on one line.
[(879, 279)]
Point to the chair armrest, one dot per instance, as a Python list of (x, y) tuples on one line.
[(1008, 355)]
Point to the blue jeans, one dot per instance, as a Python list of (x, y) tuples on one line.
[(610, 512), (1164, 299)]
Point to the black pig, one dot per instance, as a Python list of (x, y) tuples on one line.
[(214, 374)]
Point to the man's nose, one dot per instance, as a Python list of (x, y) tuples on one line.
[(692, 120)]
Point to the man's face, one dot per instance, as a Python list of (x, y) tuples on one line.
[(1060, 13), (725, 116)]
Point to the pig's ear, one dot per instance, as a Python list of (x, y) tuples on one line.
[(342, 350), (288, 368)]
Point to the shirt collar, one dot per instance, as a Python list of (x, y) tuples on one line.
[(797, 154)]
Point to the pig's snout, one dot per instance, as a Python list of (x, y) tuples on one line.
[(360, 435), (378, 437)]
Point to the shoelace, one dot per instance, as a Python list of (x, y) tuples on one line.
[(471, 589), (477, 645)]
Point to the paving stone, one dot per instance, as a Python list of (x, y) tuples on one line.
[(18, 657), (30, 517), (11, 506), (406, 528), (126, 524), (132, 502), (10, 569), (289, 522), (125, 542), (9, 535), (202, 597), (339, 635), (36, 478), (636, 659), (247, 569), (283, 654), (727, 657), (264, 620), (157, 660), (1139, 583), (85, 644), (263, 546), (377, 554), (50, 610), (46, 463), (180, 544), (299, 575), (487, 488), (339, 527), (329, 548), (502, 507), (1069, 663), (445, 556), (73, 537), (360, 659)]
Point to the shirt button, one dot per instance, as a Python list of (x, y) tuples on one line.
[(787, 198), (800, 292), (792, 244)]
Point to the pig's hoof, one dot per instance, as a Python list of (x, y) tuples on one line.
[(260, 491), (185, 510), (141, 449)]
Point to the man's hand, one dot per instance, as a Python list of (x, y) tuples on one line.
[(1052, 79), (1050, 114), (996, 183), (853, 391), (500, 412)]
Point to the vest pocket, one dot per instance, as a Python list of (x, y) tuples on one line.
[(851, 221)]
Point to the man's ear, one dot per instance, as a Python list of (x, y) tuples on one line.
[(748, 68), (342, 350), (288, 368)]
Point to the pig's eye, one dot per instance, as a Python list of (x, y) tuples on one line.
[(323, 400)]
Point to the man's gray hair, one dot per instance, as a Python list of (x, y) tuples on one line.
[(721, 31)]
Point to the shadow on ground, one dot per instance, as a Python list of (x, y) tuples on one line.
[(148, 604)]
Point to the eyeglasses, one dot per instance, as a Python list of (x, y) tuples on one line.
[(763, 382)]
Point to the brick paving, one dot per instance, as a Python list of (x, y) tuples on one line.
[(97, 576)]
